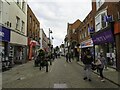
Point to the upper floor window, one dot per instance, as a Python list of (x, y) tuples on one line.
[(85, 35), (33, 23), (23, 5), (17, 23), (18, 2), (99, 21), (118, 15), (22, 26), (99, 3), (30, 19), (73, 31)]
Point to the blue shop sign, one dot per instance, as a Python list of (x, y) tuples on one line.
[(4, 34), (104, 37)]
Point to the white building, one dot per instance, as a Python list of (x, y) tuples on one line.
[(43, 40), (13, 16)]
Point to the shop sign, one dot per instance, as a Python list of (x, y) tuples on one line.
[(4, 34), (91, 30), (88, 43), (104, 37)]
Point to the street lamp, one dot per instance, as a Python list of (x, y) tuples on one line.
[(50, 31), (50, 50)]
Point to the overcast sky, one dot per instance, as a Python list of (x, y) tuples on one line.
[(55, 14)]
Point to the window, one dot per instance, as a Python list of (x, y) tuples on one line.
[(23, 5), (33, 23), (99, 21), (99, 3), (73, 31), (85, 34), (36, 26), (80, 37), (17, 23), (22, 26), (118, 15), (102, 21), (18, 2), (30, 19)]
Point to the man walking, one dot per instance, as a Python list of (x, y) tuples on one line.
[(87, 61)]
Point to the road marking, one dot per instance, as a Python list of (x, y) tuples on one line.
[(60, 86)]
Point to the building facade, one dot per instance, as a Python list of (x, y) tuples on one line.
[(16, 22), (104, 39), (33, 33), (44, 41), (72, 33), (86, 29)]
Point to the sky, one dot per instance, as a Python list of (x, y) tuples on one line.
[(55, 14)]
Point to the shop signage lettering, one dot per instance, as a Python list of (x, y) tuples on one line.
[(104, 37), (87, 43), (1, 34), (4, 34)]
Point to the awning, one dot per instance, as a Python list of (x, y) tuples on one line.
[(34, 43)]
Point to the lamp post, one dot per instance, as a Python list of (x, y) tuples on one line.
[(50, 51)]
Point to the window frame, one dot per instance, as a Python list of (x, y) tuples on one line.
[(23, 5), (99, 3), (22, 26), (99, 16), (17, 23)]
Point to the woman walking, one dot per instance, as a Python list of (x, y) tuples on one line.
[(101, 64)]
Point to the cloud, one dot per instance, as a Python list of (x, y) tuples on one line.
[(57, 13)]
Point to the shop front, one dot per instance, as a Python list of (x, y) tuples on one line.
[(87, 45), (4, 47), (104, 43), (117, 40), (18, 48), (32, 49)]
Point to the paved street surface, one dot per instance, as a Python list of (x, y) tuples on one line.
[(61, 75)]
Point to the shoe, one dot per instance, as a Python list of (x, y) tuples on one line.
[(85, 78), (102, 80), (89, 80)]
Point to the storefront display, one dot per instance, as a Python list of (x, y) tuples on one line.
[(104, 43), (4, 46)]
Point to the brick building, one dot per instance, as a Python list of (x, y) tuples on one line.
[(72, 33), (87, 27), (104, 39), (33, 33), (44, 40)]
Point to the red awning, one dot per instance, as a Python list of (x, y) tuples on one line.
[(34, 43)]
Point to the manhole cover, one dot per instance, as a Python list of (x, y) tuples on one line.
[(60, 86)]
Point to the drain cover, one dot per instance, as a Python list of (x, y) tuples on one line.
[(60, 86)]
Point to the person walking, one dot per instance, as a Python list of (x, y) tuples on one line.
[(87, 61), (66, 57), (101, 62)]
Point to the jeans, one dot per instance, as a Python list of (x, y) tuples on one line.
[(101, 72), (87, 71)]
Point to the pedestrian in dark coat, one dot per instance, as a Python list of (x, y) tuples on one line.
[(88, 64)]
